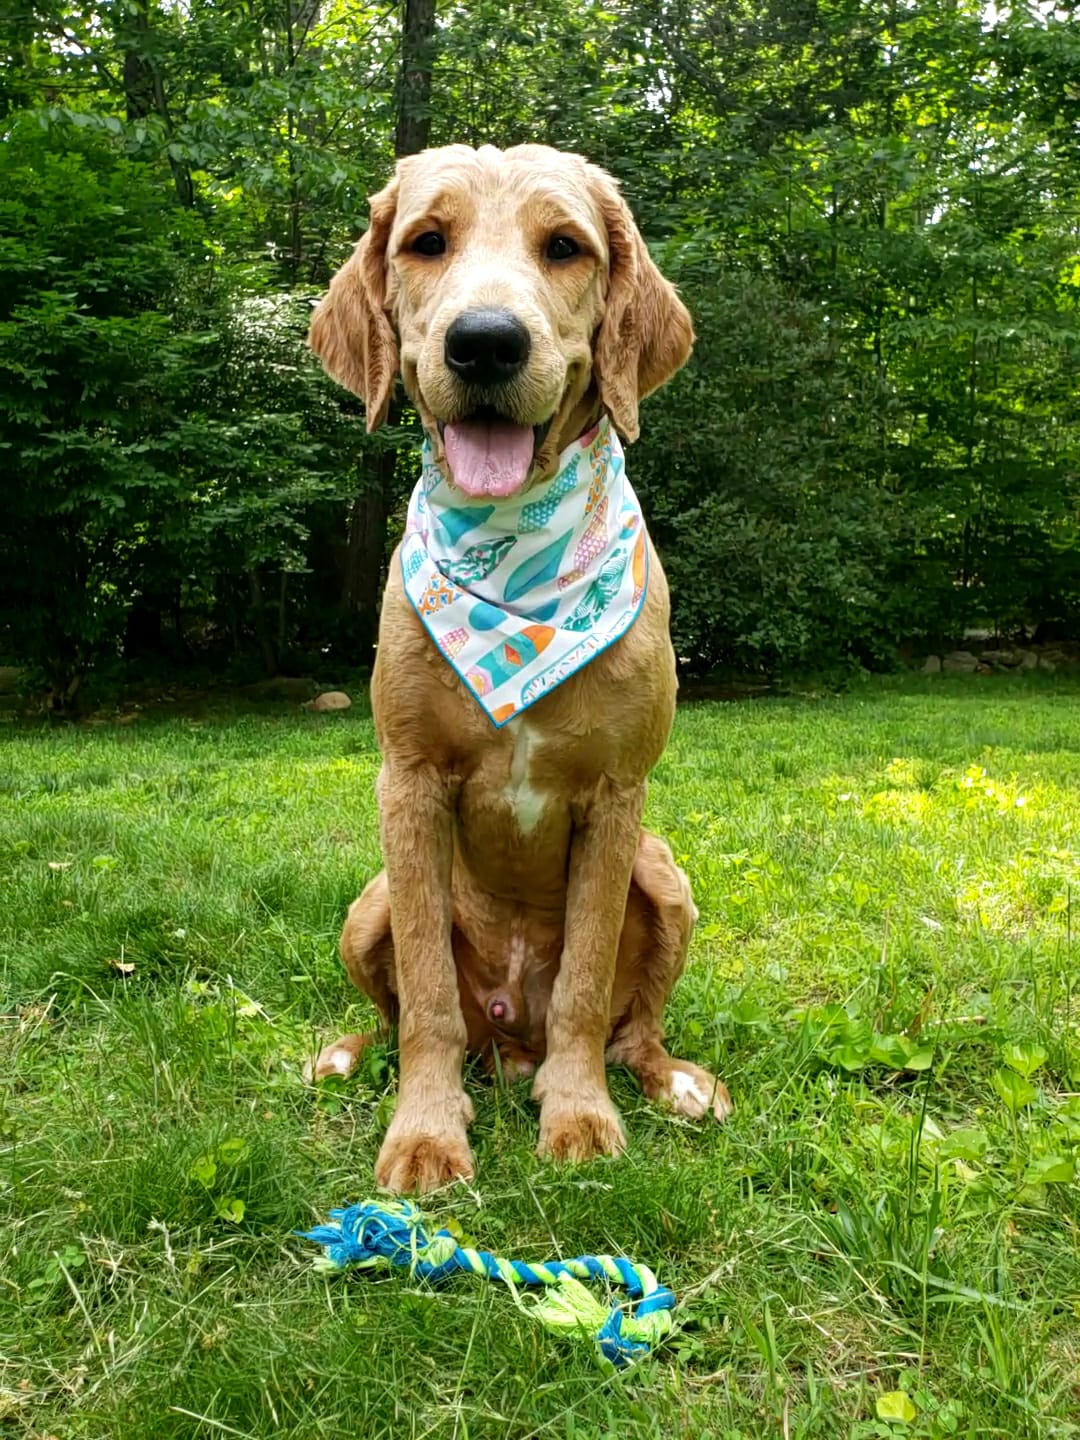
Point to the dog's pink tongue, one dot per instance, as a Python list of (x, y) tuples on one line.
[(488, 457)]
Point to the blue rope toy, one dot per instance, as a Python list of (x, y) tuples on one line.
[(377, 1236)]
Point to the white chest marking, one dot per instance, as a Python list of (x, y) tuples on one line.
[(529, 804), (515, 960)]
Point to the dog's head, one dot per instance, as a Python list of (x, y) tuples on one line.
[(513, 290)]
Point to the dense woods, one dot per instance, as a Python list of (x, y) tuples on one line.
[(871, 207)]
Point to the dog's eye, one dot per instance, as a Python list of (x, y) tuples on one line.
[(430, 243), (561, 247)]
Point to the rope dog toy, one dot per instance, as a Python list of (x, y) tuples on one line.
[(375, 1236)]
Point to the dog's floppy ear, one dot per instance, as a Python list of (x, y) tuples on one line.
[(646, 333), (350, 331)]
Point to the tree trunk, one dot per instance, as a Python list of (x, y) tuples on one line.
[(258, 616), (414, 77), (138, 73), (367, 550), (144, 89), (299, 128), (282, 610), (367, 521)]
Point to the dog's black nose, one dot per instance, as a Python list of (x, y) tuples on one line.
[(486, 347)]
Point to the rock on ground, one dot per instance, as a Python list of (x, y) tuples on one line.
[(960, 662), (329, 700)]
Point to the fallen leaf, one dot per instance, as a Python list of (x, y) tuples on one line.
[(896, 1405)]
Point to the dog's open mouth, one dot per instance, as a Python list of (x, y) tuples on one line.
[(489, 454)]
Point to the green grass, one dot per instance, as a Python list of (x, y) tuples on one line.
[(883, 973)]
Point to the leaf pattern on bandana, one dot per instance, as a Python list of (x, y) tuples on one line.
[(479, 561), (599, 594)]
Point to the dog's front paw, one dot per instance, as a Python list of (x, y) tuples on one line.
[(417, 1158), (580, 1128)]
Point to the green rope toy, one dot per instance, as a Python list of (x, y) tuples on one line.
[(373, 1237)]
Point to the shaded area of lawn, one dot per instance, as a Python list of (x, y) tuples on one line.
[(883, 973)]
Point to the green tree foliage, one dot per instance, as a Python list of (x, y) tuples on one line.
[(870, 207), (766, 490), (95, 382)]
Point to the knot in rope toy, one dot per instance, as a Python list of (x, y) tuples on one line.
[(375, 1237)]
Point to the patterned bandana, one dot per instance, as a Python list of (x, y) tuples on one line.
[(520, 593)]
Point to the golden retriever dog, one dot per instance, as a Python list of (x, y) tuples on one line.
[(523, 912)]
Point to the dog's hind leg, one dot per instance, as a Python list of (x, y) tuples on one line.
[(660, 916), (367, 952)]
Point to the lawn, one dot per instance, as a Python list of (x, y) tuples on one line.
[(882, 972)]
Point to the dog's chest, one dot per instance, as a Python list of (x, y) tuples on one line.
[(526, 801)]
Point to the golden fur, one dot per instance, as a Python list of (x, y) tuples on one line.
[(516, 867)]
